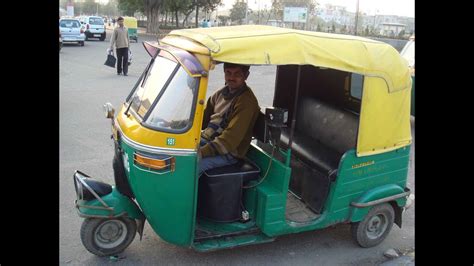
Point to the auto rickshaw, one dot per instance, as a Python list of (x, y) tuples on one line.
[(334, 147), (132, 26)]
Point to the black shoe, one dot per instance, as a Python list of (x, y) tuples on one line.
[(119, 74), (125, 74)]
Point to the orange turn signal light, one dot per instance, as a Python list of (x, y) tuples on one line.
[(154, 163)]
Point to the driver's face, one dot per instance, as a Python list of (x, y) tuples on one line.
[(234, 77)]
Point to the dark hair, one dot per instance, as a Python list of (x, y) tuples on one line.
[(244, 68), (119, 18)]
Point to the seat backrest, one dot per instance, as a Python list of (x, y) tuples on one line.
[(259, 127), (334, 127)]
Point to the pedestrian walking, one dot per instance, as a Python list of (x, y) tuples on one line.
[(121, 41)]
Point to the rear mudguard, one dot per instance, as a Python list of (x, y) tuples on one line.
[(391, 193)]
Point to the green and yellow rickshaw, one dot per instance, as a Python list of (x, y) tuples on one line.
[(132, 25), (333, 147)]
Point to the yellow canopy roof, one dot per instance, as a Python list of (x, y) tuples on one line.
[(385, 108), (262, 45)]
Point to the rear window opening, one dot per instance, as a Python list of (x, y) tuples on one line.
[(96, 21), (70, 24)]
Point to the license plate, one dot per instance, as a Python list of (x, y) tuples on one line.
[(97, 35)]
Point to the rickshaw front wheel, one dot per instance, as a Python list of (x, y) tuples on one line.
[(374, 227), (107, 237)]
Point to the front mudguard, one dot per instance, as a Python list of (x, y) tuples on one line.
[(116, 205), (111, 205)]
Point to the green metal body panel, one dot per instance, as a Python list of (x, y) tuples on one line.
[(412, 111), (359, 175), (168, 200), (132, 33), (268, 205), (219, 227), (359, 179), (120, 204), (231, 242)]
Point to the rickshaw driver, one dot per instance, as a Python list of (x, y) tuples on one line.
[(229, 118)]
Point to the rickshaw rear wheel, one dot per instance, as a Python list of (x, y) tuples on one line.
[(375, 226), (107, 237)]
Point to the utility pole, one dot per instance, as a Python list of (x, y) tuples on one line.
[(357, 17), (246, 11)]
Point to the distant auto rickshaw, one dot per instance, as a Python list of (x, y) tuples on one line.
[(334, 147), (132, 24)]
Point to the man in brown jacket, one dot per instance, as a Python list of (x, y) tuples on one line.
[(229, 118), (122, 42)]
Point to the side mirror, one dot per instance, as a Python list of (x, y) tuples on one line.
[(109, 110)]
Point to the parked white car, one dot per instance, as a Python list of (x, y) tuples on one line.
[(71, 31), (93, 27)]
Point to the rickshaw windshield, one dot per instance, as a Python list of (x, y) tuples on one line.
[(165, 95)]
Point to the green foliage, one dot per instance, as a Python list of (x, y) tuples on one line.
[(237, 13), (129, 7)]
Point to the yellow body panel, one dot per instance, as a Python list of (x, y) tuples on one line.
[(130, 22), (186, 44), (132, 128)]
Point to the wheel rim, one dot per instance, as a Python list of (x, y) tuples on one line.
[(376, 226), (110, 234)]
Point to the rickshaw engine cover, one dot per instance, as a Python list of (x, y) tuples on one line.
[(220, 191)]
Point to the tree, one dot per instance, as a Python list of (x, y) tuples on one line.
[(367, 30), (237, 13), (89, 7), (152, 11), (344, 29), (111, 8), (333, 28), (401, 34), (129, 7), (177, 7), (223, 19)]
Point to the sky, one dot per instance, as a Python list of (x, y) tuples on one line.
[(371, 7)]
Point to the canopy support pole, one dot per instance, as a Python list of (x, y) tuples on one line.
[(293, 117)]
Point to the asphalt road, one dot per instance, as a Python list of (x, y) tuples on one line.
[(85, 144)]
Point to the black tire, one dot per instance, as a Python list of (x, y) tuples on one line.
[(102, 39), (81, 43), (95, 233), (373, 229)]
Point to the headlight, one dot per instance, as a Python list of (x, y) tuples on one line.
[(109, 110)]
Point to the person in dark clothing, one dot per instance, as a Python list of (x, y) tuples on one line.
[(121, 41)]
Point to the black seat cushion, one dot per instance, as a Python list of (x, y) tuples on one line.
[(244, 168), (313, 153), (100, 188)]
